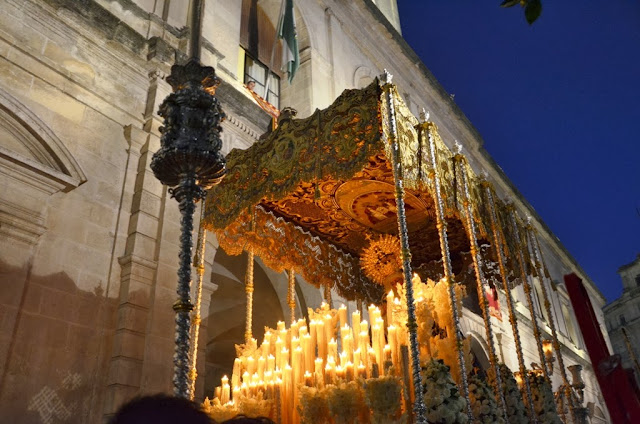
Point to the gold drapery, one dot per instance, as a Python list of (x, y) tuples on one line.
[(304, 174)]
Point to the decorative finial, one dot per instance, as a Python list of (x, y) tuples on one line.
[(484, 174), (458, 147), (424, 115), (529, 219), (386, 77)]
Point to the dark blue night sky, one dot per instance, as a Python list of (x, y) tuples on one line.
[(558, 106)]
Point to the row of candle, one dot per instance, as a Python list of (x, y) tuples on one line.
[(309, 355)]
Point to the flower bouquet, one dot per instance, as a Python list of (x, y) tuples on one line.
[(543, 401), (441, 396), (384, 399), (483, 403), (516, 411)]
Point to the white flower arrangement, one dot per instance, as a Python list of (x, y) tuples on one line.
[(313, 407), (441, 396), (384, 399), (516, 411), (483, 403), (345, 402), (219, 412)]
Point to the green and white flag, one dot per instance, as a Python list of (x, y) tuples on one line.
[(287, 32)]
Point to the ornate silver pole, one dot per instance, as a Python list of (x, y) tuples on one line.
[(527, 289), (189, 161), (540, 267), (419, 408), (480, 279), (441, 224), (198, 263), (498, 243)]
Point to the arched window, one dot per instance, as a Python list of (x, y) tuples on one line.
[(260, 52)]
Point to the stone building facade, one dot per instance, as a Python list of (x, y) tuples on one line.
[(623, 316), (88, 236)]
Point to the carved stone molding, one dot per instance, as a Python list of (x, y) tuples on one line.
[(34, 164)]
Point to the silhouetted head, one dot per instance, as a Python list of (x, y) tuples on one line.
[(160, 409)]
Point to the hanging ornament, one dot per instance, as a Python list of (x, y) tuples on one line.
[(382, 262)]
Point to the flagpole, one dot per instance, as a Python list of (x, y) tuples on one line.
[(273, 50)]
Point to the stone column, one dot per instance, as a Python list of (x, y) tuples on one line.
[(139, 262)]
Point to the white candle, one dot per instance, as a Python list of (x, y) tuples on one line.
[(390, 307), (342, 315)]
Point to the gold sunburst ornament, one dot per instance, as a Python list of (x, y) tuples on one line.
[(381, 261)]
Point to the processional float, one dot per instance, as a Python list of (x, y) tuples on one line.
[(366, 199)]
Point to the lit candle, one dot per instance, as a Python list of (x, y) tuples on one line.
[(271, 363), (246, 378), (284, 358), (330, 370), (355, 325), (266, 348), (356, 356), (362, 371), (329, 328), (318, 366), (285, 336), (333, 348), (314, 337), (345, 337), (387, 359), (321, 341), (329, 374), (377, 349), (343, 358), (261, 363), (218, 393), (393, 343), (251, 365), (364, 346), (340, 372), (296, 364), (349, 371), (371, 361), (295, 342), (308, 379), (288, 393), (390, 307), (342, 315), (309, 355), (235, 376), (280, 325), (279, 347)]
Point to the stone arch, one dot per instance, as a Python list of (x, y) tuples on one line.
[(227, 312), (35, 163), (29, 143), (479, 351), (362, 77)]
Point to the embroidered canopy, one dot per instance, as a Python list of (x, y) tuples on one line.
[(315, 192)]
